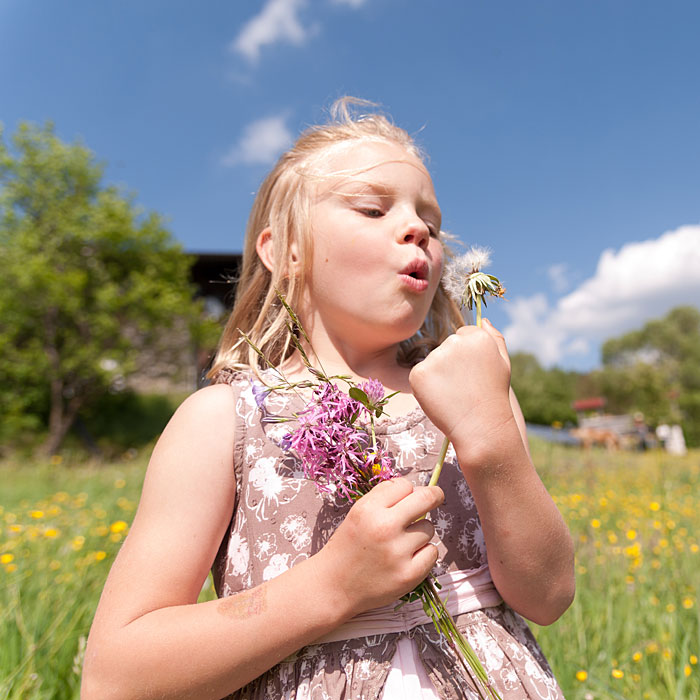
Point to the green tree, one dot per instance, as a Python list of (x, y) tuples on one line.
[(545, 395), (656, 370), (88, 282)]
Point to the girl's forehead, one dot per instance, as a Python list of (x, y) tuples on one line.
[(367, 160)]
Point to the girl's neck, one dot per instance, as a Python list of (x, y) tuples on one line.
[(381, 365)]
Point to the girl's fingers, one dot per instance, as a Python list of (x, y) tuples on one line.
[(420, 533), (424, 560), (417, 504), (498, 337), (389, 493)]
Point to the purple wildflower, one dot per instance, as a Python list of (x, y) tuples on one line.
[(335, 453), (374, 390)]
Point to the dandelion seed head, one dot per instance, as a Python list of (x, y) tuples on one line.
[(463, 279), (477, 258)]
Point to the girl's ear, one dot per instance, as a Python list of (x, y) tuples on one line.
[(266, 252), (265, 248)]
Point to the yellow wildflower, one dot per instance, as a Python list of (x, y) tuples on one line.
[(617, 673), (581, 675), (6, 558)]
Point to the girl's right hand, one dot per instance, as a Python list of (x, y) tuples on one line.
[(382, 550)]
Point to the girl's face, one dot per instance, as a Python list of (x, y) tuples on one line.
[(377, 257)]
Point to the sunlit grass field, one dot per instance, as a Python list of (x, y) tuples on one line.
[(633, 631)]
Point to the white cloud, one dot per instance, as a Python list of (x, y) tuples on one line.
[(641, 281), (261, 143), (558, 277), (277, 21)]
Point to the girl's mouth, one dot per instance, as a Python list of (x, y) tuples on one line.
[(415, 275)]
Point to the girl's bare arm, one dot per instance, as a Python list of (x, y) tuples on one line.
[(464, 387), (150, 639)]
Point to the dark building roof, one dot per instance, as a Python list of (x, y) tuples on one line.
[(215, 274)]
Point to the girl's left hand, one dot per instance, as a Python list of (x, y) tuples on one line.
[(463, 385)]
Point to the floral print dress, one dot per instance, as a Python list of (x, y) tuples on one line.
[(280, 519)]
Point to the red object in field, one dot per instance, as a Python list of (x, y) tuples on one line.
[(595, 403)]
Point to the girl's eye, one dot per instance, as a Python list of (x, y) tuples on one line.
[(372, 212)]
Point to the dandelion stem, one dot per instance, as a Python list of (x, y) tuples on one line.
[(441, 460), (478, 310)]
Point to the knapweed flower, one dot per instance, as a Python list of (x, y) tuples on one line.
[(466, 283), (374, 390)]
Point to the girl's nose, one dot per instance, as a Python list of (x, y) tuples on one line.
[(416, 232)]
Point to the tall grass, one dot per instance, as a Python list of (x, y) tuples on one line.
[(633, 631)]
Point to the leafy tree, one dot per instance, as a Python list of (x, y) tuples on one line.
[(656, 370), (545, 395), (88, 282)]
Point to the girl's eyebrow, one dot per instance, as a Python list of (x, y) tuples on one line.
[(351, 188), (361, 187)]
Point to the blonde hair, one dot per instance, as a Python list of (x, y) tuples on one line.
[(283, 204)]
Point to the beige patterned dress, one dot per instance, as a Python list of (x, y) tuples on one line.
[(280, 519)]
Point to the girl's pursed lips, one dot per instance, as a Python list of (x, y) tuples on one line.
[(414, 283), (416, 275), (417, 269)]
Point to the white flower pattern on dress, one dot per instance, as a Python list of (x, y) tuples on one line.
[(265, 546), (238, 555), (295, 530), (279, 563), (272, 489)]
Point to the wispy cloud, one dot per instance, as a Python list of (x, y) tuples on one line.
[(558, 277), (278, 21), (641, 281), (351, 3), (262, 142)]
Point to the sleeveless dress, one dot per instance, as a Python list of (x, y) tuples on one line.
[(280, 518)]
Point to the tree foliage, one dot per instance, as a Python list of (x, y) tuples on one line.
[(656, 370), (88, 281), (545, 395)]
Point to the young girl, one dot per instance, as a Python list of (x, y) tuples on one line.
[(347, 227)]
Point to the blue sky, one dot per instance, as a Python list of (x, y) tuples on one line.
[(563, 135)]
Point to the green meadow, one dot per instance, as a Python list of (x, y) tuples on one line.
[(633, 631)]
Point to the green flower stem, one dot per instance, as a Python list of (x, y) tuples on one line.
[(445, 625), (438, 467), (478, 310)]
